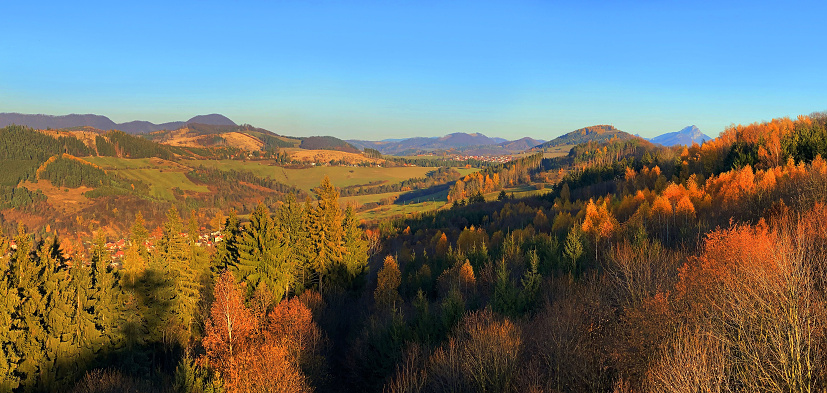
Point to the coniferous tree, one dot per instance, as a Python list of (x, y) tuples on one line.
[(355, 258), (226, 251), (573, 249), (178, 269), (103, 294), (139, 235), (291, 224), (261, 257), (325, 227), (9, 301)]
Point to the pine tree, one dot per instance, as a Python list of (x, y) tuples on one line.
[(261, 256), (325, 227), (573, 249), (531, 283), (292, 223), (505, 295), (226, 251), (355, 258), (177, 264), (9, 302), (103, 295), (139, 235)]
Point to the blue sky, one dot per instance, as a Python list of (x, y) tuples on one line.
[(389, 69)]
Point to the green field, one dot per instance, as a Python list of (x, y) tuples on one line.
[(162, 176), (427, 203), (162, 183)]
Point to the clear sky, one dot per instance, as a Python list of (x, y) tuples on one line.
[(390, 69)]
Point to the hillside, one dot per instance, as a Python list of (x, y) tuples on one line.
[(327, 143), (599, 133), (521, 144), (103, 122), (686, 137), (244, 137)]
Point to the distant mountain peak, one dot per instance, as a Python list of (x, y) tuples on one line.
[(214, 119), (686, 136)]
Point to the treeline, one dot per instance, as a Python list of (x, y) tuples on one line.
[(23, 143), (233, 187), (18, 197), (372, 153), (121, 144), (437, 177), (439, 162), (68, 171), (23, 150)]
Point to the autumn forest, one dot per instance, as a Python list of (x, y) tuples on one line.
[(640, 268)]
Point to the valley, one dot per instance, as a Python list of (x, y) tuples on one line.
[(381, 264)]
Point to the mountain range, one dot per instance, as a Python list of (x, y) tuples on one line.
[(104, 123), (685, 136), (473, 144), (463, 143)]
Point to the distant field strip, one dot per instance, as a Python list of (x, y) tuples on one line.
[(309, 178)]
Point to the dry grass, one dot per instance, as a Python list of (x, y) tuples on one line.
[(184, 138), (328, 155), (67, 200)]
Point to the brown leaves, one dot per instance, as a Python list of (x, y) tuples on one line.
[(251, 360), (230, 324)]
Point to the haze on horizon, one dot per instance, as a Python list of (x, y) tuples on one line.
[(376, 70)]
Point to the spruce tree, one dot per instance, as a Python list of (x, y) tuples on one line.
[(355, 257), (139, 235), (573, 249), (261, 256), (104, 295), (291, 224), (226, 251), (325, 227), (179, 272), (9, 302)]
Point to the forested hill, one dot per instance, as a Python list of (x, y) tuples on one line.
[(327, 143), (599, 133)]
